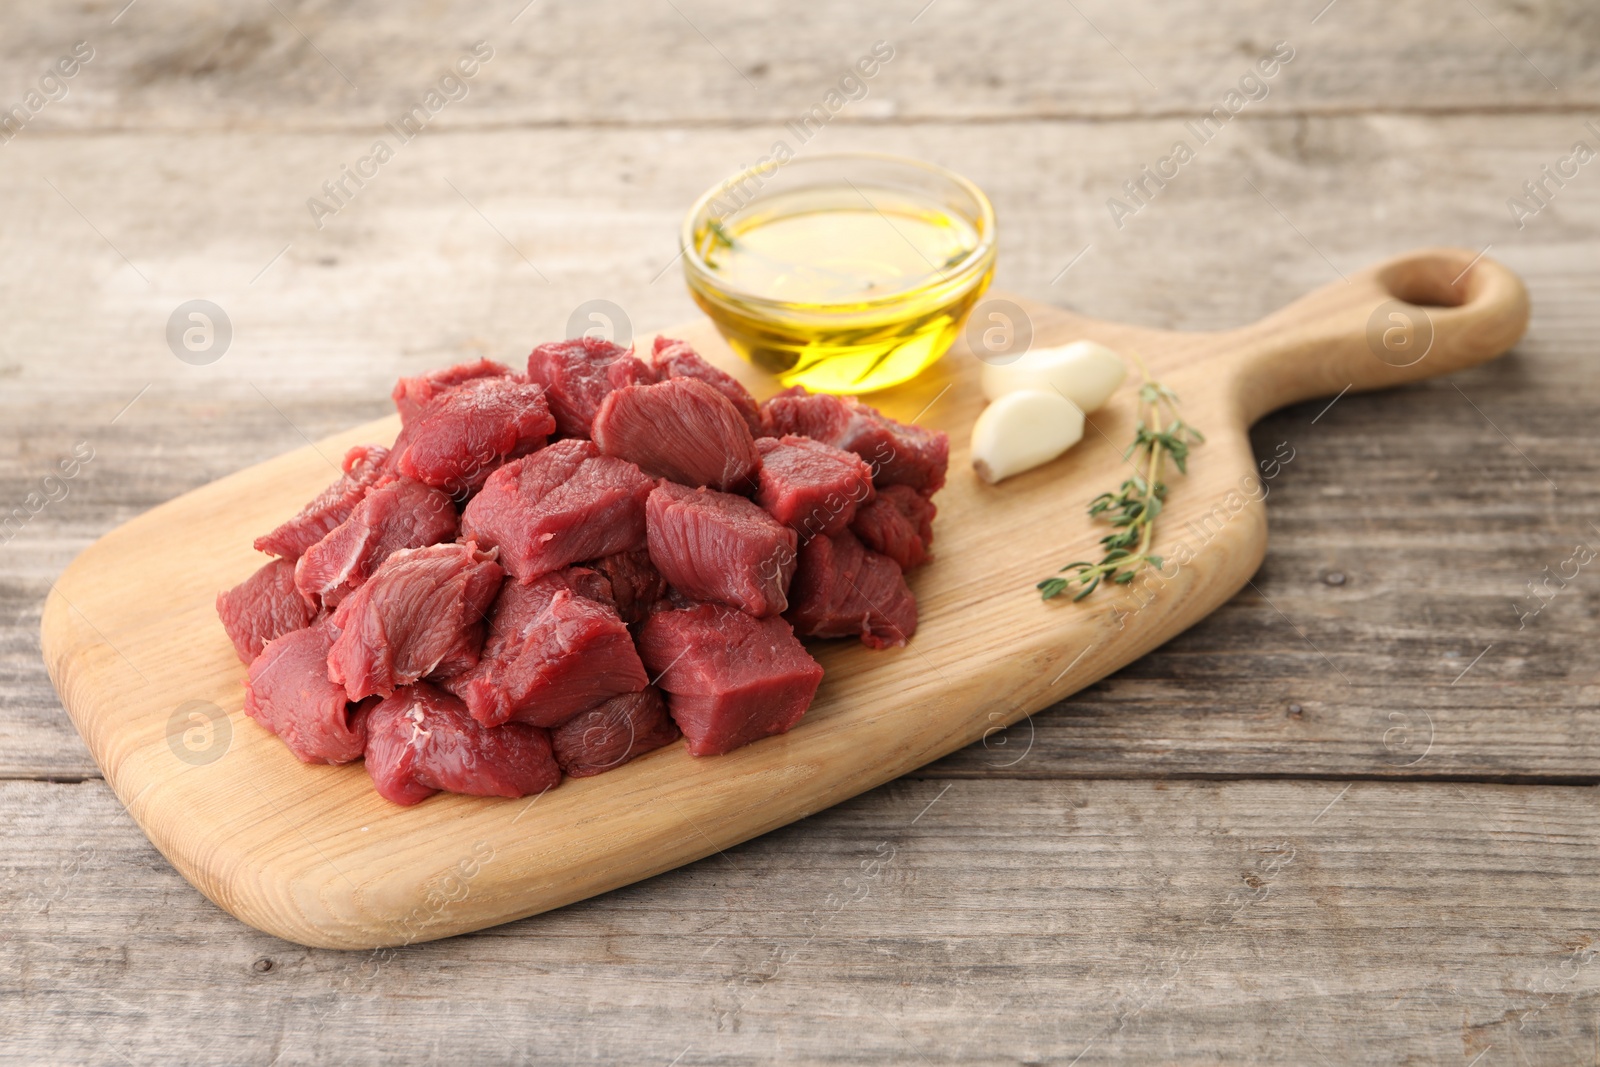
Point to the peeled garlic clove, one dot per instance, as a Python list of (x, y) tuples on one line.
[(1021, 430), (1085, 372)]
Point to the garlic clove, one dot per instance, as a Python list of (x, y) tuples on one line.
[(1085, 372), (1021, 430)]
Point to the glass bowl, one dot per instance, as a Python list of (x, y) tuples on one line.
[(843, 273)]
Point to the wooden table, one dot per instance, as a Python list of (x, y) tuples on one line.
[(1349, 818)]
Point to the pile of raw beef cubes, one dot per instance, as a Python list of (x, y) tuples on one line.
[(554, 572)]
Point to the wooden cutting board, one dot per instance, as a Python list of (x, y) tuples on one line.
[(313, 855)]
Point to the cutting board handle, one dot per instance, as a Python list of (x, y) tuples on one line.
[(1425, 313)]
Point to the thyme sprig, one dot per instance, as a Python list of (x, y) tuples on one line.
[(1160, 435), (720, 238)]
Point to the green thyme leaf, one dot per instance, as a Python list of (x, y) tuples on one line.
[(1159, 437)]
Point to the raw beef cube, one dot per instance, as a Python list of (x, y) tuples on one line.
[(681, 429), (289, 693), (422, 740), (811, 487), (422, 610), (580, 581), (843, 590), (411, 395), (579, 374), (612, 733), (463, 433), (583, 581), (264, 606), (899, 523), (898, 453), (562, 504), (402, 514), (550, 654), (730, 678), (635, 584), (717, 546), (364, 465), (676, 359)]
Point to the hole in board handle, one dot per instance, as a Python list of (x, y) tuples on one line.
[(1433, 280)]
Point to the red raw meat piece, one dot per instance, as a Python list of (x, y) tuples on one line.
[(411, 395), (843, 590), (730, 678), (422, 610), (402, 514), (681, 429), (551, 653), (635, 584), (677, 359), (811, 487), (289, 693), (613, 733), (363, 466), (263, 606), (421, 740), (462, 434), (579, 374), (562, 504), (899, 454), (583, 581), (899, 523), (717, 546)]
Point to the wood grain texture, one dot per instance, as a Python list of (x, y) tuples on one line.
[(1397, 126), (1405, 493), (199, 65), (997, 922), (312, 855)]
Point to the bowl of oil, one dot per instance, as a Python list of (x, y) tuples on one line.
[(843, 273)]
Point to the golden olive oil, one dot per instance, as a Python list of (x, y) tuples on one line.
[(841, 289)]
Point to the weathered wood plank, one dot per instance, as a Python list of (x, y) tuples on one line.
[(1420, 924), (409, 273), (1406, 494), (996, 922), (1402, 539), (354, 67)]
